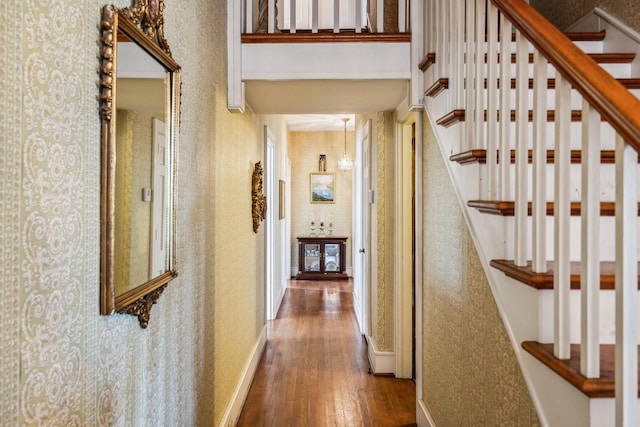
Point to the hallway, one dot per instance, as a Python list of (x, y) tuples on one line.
[(314, 371)]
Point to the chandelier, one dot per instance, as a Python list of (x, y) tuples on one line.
[(345, 163)]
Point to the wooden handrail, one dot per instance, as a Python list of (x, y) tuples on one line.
[(616, 104)]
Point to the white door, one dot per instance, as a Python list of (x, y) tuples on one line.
[(159, 202), (361, 225)]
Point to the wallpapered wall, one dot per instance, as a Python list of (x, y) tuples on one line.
[(304, 151), (565, 13), (382, 313), (470, 374), (61, 363)]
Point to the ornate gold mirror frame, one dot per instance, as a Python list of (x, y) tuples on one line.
[(140, 27)]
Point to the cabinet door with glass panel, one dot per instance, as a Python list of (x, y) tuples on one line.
[(321, 258)]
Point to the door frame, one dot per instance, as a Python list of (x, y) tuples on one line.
[(408, 229), (270, 229)]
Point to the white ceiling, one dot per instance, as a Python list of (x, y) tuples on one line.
[(318, 122), (320, 105)]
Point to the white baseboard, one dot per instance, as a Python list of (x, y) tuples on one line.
[(279, 299), (382, 362), (350, 271), (232, 412), (424, 418)]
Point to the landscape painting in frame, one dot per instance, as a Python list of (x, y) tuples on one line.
[(323, 187)]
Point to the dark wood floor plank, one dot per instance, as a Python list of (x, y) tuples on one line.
[(314, 371)]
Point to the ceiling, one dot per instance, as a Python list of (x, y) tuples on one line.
[(320, 105)]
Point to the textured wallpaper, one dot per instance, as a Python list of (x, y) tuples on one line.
[(61, 363), (304, 151), (566, 12), (470, 373), (384, 320)]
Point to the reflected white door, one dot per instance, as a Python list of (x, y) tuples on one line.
[(159, 202)]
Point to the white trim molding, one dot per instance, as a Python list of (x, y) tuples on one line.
[(232, 412), (382, 362), (424, 417)]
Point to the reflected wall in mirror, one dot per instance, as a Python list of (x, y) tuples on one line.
[(139, 109)]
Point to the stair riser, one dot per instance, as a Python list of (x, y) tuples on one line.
[(606, 186), (607, 238), (607, 135), (607, 316)]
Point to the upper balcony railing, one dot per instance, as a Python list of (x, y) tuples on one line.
[(323, 16)]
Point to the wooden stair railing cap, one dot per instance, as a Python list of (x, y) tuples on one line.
[(618, 106)]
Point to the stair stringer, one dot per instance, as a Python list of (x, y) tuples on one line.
[(556, 401)]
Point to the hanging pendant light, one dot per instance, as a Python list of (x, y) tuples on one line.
[(345, 163)]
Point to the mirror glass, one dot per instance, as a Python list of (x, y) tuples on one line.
[(139, 112), (141, 198)]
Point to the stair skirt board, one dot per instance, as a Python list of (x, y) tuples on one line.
[(424, 418), (232, 412), (382, 362)]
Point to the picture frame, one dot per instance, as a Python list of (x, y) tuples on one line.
[(281, 199), (323, 187)]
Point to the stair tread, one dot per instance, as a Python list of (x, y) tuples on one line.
[(459, 115), (600, 58), (576, 36), (507, 207), (569, 369), (544, 280), (629, 83), (480, 156)]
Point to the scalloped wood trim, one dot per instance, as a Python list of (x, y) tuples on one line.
[(437, 87), (427, 61)]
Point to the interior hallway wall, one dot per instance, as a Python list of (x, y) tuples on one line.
[(470, 375), (61, 363), (564, 13), (304, 151)]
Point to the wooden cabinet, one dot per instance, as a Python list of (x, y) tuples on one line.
[(322, 258)]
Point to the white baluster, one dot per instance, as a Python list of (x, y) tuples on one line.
[(562, 215), (402, 16), (314, 16), (539, 203), (336, 16), (470, 79), (358, 16), (248, 14), (626, 285), (457, 84), (293, 16), (590, 242), (492, 101), (505, 109), (480, 137), (522, 147), (271, 16)]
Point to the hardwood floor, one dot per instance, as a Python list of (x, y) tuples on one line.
[(314, 371)]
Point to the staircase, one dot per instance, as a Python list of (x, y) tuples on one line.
[(545, 167)]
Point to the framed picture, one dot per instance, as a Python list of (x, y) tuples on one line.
[(281, 205), (323, 187)]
